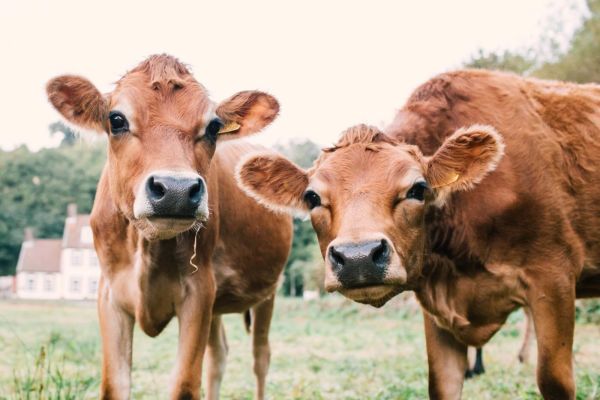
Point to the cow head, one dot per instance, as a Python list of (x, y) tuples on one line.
[(367, 197), (162, 131)]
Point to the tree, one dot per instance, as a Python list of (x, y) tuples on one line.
[(581, 60), (577, 61), (69, 135), (505, 61), (303, 153), (35, 189)]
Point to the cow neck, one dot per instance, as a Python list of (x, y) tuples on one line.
[(170, 255), (437, 282)]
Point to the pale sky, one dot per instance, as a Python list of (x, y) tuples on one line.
[(331, 64)]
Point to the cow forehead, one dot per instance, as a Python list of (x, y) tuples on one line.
[(144, 101), (361, 166)]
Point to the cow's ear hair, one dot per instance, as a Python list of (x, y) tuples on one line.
[(246, 113), (78, 101), (273, 181), (465, 158)]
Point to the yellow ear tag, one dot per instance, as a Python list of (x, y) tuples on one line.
[(229, 127), (453, 178)]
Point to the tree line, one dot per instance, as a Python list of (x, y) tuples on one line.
[(578, 62), (36, 189)]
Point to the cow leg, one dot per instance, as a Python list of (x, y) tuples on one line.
[(216, 358), (552, 303), (261, 350), (116, 329), (478, 367), (470, 362), (194, 314), (527, 337), (447, 359)]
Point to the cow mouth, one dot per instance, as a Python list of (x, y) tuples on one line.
[(375, 295), (163, 228), (172, 223)]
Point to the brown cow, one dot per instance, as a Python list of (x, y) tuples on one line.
[(174, 234), (476, 223)]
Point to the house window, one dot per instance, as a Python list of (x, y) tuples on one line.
[(48, 284), (75, 285), (93, 259), (93, 287), (31, 283), (86, 235), (76, 257)]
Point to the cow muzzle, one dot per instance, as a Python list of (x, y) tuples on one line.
[(176, 197), (171, 202), (367, 271)]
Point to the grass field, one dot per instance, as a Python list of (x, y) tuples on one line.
[(326, 349)]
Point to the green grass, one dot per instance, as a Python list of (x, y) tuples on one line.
[(326, 349)]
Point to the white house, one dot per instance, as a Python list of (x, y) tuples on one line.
[(64, 268)]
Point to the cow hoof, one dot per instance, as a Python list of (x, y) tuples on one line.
[(472, 373)]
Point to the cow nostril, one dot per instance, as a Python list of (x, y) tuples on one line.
[(381, 253), (195, 192), (156, 189), (337, 260)]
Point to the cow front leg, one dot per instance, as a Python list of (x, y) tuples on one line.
[(527, 337), (447, 359), (216, 358), (116, 329), (194, 314), (261, 349), (552, 304)]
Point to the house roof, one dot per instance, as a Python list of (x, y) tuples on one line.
[(40, 255), (77, 233)]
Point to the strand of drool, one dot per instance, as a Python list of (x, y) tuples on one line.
[(194, 255)]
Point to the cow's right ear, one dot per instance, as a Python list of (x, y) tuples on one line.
[(78, 100), (273, 181), (246, 113), (465, 158)]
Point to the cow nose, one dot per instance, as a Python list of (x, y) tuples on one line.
[(360, 264), (174, 196)]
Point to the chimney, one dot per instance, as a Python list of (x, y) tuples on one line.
[(29, 236), (72, 210)]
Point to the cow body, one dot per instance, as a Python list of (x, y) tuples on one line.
[(150, 281), (540, 204), (174, 235), (532, 223), (478, 223)]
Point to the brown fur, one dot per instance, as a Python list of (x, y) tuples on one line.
[(284, 178), (90, 110), (231, 264), (252, 110), (495, 233), (361, 134)]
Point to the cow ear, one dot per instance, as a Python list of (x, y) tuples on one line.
[(465, 158), (78, 100), (273, 181), (246, 113)]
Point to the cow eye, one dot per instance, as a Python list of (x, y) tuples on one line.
[(118, 123), (312, 199), (212, 129), (417, 191)]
